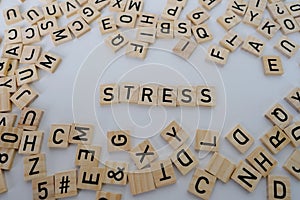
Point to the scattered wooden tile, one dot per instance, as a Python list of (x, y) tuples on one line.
[(5, 104), (238, 6), (12, 66), (293, 98), (134, 6), (81, 133), (13, 35), (167, 96), (48, 62), (118, 141), (51, 10), (126, 20), (185, 48), (268, 28), (12, 15), (229, 20), (109, 94), (143, 154), (258, 4), (7, 157), (275, 140), (31, 142), (137, 49), (65, 184), (82, 2), (288, 25), (182, 29), (3, 186), (26, 75), (171, 12), (217, 54), (163, 173), (253, 16), (202, 33), (141, 181), (246, 176), (278, 115), (43, 188), (108, 195), (115, 173), (293, 8), (198, 16), (148, 94), (202, 184), (90, 178), (34, 167), (61, 35), (253, 45), (8, 83), (13, 51), (47, 26), (30, 35), (240, 138), (30, 119), (129, 92), (117, 5), (79, 27), (7, 119), (33, 15), (209, 4), (272, 65), (262, 161), (4, 66), (146, 34), (174, 135), (69, 7), (24, 96), (107, 24), (165, 29), (292, 164), (231, 41), (10, 137), (30, 54), (207, 140), (184, 159), (99, 5), (147, 20), (186, 96), (87, 155), (220, 167), (59, 136), (89, 13), (286, 46), (278, 187), (277, 10), (292, 132)]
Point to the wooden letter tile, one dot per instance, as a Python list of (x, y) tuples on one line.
[(30, 54), (59, 136), (182, 28), (268, 28), (206, 96), (118, 141), (217, 54), (209, 4), (34, 167), (293, 98), (129, 92), (48, 62), (277, 10), (43, 188), (171, 11), (61, 35), (272, 65), (275, 140), (185, 48), (116, 41), (262, 161), (117, 5), (141, 181), (253, 17), (13, 64), (258, 4), (165, 29), (81, 133), (202, 184), (31, 142), (293, 8), (4, 66), (12, 15), (10, 137), (238, 6), (202, 33), (7, 157), (292, 132), (292, 165), (286, 46), (184, 159), (7, 119), (79, 27), (279, 116), (231, 41), (143, 154), (5, 104), (134, 6), (246, 176), (147, 20), (288, 25), (115, 173), (174, 135), (47, 26), (278, 187), (65, 184), (69, 7), (26, 75), (24, 96), (87, 155), (108, 195), (13, 35), (148, 94), (33, 15), (198, 16), (109, 94), (52, 10), (90, 178), (89, 13), (30, 119), (254, 46), (229, 20), (13, 51), (207, 140), (163, 173), (146, 34), (31, 34), (99, 5), (3, 186), (167, 96), (186, 96), (137, 49), (107, 24)]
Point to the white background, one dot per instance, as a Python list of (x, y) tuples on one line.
[(244, 94)]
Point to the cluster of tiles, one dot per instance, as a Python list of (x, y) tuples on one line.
[(26, 139)]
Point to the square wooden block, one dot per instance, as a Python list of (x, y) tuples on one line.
[(278, 115), (182, 28), (65, 184), (61, 35), (12, 51), (81, 133), (30, 54), (48, 62), (7, 157), (209, 4), (165, 29), (12, 15), (163, 173), (52, 10), (277, 9), (293, 98), (202, 184), (207, 140), (5, 104), (13, 35), (202, 33), (147, 20), (231, 41), (137, 49), (107, 24), (43, 188), (268, 28), (90, 178), (34, 167), (253, 16), (134, 6), (186, 96), (240, 138), (167, 96), (229, 20), (10, 137), (246, 176), (99, 5), (148, 94), (30, 35), (288, 25), (109, 94), (4, 66), (33, 15), (275, 140), (258, 4), (129, 92), (146, 34), (116, 41), (118, 140), (272, 65), (206, 96), (26, 75), (220, 167), (108, 195), (141, 181), (59, 136), (171, 11), (292, 132), (278, 187), (262, 161), (286, 46), (30, 119), (198, 16), (126, 20), (143, 154), (185, 47), (174, 135), (117, 5), (69, 7), (3, 186), (79, 27), (12, 66), (293, 8), (292, 164), (47, 26), (184, 159), (238, 6), (115, 173), (217, 54), (89, 13), (254, 46), (31, 142), (87, 155), (7, 119), (24, 96)]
